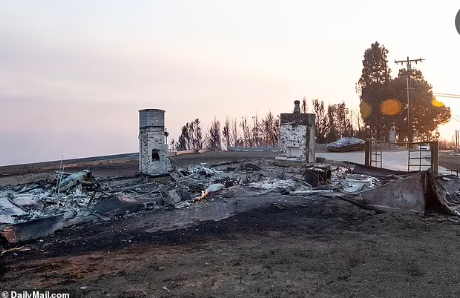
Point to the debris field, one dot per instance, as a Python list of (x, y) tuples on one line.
[(74, 198), (227, 206)]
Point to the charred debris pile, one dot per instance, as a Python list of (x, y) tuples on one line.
[(35, 210)]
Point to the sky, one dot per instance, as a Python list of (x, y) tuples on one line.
[(73, 74)]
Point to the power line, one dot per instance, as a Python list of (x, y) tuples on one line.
[(409, 103), (447, 95), (452, 116)]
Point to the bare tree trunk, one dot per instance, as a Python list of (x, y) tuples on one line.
[(234, 132)]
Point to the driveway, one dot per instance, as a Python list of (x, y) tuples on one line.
[(395, 160)]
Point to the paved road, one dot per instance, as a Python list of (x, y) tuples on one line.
[(395, 160)]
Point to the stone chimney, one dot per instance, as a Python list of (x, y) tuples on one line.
[(153, 150)]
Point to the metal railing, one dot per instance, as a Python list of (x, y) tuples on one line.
[(411, 160), (373, 154), (376, 157)]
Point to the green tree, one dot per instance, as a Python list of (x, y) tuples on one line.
[(376, 87), (372, 86), (426, 117)]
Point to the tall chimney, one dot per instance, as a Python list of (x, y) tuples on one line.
[(153, 152)]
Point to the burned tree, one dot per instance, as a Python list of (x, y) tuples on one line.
[(213, 138), (191, 137), (321, 122), (247, 137), (197, 135), (270, 130), (234, 136), (304, 107), (226, 134)]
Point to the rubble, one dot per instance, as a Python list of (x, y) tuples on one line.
[(26, 200), (318, 174), (403, 194), (42, 227), (278, 185), (356, 183), (379, 173), (448, 193), (215, 187), (9, 211), (84, 177), (175, 196), (39, 209), (120, 206)]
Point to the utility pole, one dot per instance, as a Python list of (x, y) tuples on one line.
[(456, 140), (409, 103)]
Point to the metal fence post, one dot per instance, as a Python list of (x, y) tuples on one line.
[(434, 146), (367, 153)]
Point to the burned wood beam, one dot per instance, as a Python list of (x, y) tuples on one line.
[(359, 203), (41, 227)]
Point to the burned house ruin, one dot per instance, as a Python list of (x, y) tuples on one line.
[(153, 149), (297, 136)]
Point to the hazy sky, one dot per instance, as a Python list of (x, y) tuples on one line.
[(73, 74)]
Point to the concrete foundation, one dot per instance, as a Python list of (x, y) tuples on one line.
[(153, 150)]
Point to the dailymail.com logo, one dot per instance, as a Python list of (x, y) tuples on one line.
[(37, 294)]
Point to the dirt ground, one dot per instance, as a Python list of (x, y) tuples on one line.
[(308, 247), (321, 248)]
